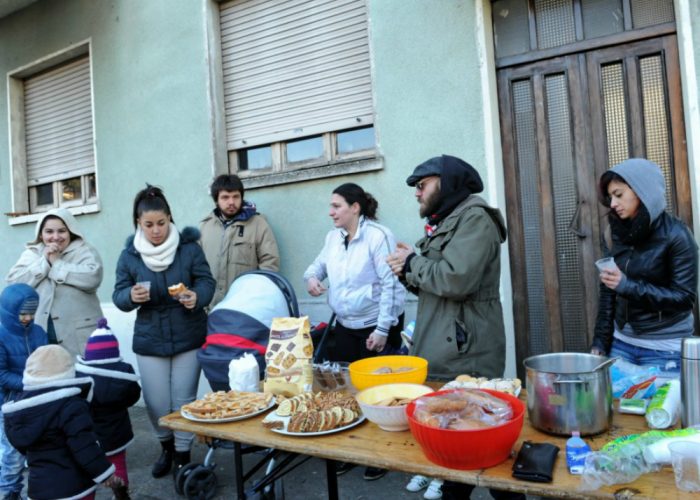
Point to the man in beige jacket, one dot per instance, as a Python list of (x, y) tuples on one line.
[(235, 238)]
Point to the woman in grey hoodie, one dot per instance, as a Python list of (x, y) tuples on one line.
[(646, 302)]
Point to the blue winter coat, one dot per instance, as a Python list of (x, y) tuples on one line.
[(17, 341), (50, 424), (116, 389), (164, 327)]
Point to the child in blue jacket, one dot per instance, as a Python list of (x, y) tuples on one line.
[(19, 337), (116, 389)]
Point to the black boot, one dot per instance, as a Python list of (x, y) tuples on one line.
[(180, 459), (164, 462)]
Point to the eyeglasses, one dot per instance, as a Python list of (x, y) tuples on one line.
[(421, 184)]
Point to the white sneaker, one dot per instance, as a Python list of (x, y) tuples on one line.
[(417, 483), (434, 491)]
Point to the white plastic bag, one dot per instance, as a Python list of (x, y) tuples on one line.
[(244, 374)]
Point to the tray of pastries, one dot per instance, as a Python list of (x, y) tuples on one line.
[(223, 406), (315, 414)]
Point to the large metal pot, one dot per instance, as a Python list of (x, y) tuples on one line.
[(569, 392)]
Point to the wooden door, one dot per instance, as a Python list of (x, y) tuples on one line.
[(550, 203), (637, 111), (564, 121)]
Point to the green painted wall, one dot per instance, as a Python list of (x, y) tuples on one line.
[(152, 116), (427, 102), (151, 109)]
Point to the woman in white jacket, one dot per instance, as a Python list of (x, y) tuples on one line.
[(66, 273), (366, 297)]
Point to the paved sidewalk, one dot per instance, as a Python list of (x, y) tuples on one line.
[(307, 482)]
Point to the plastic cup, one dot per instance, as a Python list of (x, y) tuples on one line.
[(608, 263), (145, 284), (685, 458)]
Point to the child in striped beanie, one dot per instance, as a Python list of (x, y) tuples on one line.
[(116, 389)]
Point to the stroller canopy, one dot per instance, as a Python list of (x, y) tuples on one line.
[(241, 322)]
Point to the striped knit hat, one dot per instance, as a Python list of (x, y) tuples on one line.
[(102, 344), (29, 306)]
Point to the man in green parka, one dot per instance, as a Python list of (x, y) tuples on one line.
[(459, 325)]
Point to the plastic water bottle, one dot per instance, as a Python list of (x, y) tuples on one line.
[(576, 451)]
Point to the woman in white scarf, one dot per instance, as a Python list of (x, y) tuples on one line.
[(169, 330)]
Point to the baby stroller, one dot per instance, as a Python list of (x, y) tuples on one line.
[(240, 324)]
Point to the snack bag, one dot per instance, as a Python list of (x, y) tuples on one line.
[(630, 381), (288, 357)]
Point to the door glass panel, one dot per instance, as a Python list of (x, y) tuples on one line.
[(526, 144), (656, 119), (602, 17), (510, 25), (615, 112), (651, 12), (564, 193), (555, 23)]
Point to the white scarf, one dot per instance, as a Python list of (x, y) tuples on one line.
[(158, 258)]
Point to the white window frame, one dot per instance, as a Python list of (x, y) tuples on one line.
[(24, 206), (331, 163)]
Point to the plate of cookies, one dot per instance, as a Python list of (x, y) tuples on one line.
[(315, 414), (223, 406)]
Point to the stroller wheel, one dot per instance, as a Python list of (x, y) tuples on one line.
[(182, 475), (200, 484)]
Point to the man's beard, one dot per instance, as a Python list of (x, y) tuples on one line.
[(431, 204)]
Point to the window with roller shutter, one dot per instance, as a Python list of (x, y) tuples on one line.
[(52, 135), (297, 86)]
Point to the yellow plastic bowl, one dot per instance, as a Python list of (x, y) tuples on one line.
[(362, 371), (389, 418)]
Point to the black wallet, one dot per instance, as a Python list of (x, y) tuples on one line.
[(535, 462)]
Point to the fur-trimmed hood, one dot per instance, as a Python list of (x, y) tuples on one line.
[(188, 235), (98, 368), (55, 390)]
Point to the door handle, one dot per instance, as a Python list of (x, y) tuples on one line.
[(574, 225)]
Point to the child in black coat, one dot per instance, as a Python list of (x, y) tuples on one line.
[(50, 424), (116, 389)]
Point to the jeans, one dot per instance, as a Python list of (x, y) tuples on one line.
[(668, 362), (11, 466)]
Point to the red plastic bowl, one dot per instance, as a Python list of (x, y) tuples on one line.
[(469, 449)]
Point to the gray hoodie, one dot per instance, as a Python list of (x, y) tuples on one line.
[(647, 182)]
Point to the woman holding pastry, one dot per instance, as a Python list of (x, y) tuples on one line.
[(66, 272), (171, 323), (365, 295)]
